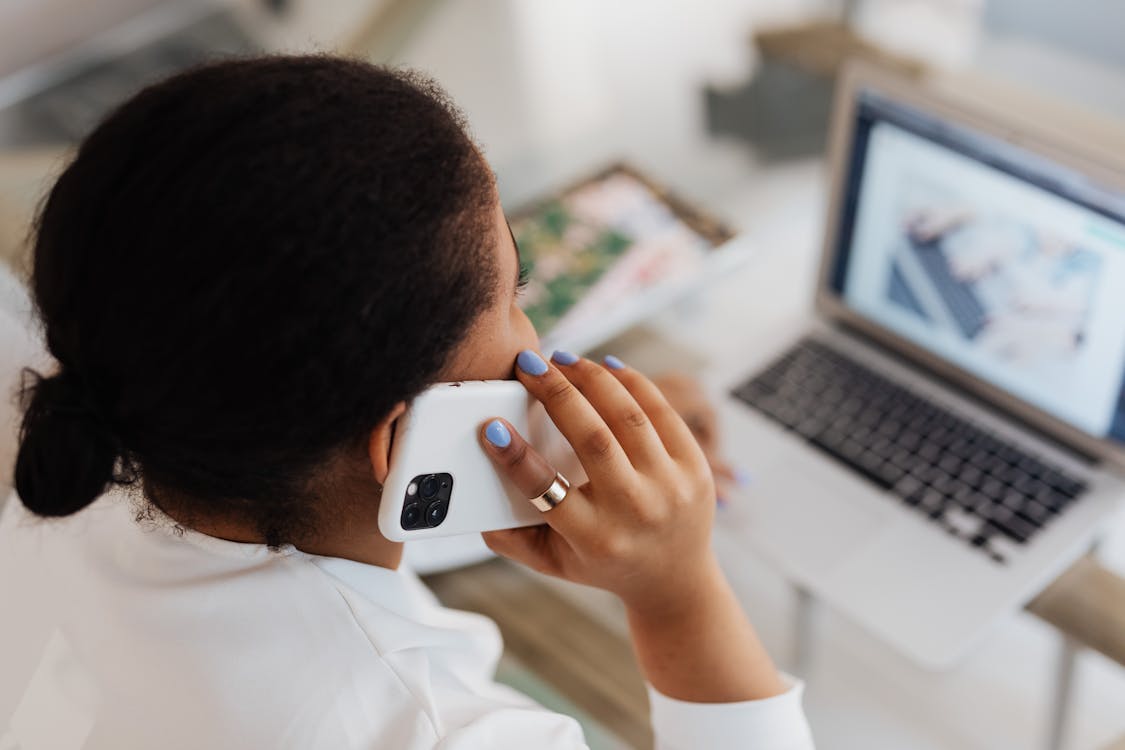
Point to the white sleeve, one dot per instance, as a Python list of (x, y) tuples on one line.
[(776, 723)]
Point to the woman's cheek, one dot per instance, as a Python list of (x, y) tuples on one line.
[(523, 330)]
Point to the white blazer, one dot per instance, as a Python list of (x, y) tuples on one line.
[(121, 634)]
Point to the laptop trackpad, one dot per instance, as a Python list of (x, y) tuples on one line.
[(810, 516)]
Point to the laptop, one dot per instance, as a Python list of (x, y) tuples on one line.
[(944, 433)]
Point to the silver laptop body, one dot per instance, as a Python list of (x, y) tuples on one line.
[(944, 434)]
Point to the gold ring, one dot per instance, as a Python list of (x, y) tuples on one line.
[(554, 495)]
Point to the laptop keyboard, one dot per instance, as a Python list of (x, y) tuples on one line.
[(973, 483)]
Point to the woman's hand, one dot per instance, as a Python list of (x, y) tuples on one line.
[(687, 397), (640, 527)]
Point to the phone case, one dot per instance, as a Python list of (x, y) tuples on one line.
[(439, 437)]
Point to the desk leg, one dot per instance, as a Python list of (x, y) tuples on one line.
[(1063, 687), (804, 627), (1064, 682)]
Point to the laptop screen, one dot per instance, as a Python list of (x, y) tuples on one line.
[(1005, 264)]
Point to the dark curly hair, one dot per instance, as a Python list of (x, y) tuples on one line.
[(241, 272)]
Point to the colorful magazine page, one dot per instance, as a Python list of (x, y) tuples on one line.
[(602, 241)]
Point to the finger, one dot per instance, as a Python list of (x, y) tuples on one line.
[(530, 473), (684, 394), (681, 390), (721, 469), (700, 430), (673, 431), (706, 427), (538, 547), (594, 443), (621, 412)]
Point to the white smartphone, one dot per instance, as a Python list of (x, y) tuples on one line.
[(441, 482)]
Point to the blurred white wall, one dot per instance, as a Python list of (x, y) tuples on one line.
[(585, 81), (942, 33)]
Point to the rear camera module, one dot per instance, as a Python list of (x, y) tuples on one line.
[(426, 504)]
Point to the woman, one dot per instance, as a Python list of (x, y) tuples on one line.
[(245, 275)]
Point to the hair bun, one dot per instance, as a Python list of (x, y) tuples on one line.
[(67, 452)]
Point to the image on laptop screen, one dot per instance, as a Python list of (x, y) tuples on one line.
[(1005, 264)]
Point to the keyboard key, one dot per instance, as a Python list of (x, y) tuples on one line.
[(810, 427), (930, 451), (1065, 485), (971, 475), (1035, 513), (1025, 485), (1051, 499), (883, 448), (869, 460), (890, 428), (993, 489), (945, 484), (904, 459), (890, 473), (1015, 528), (1031, 466), (950, 464), (984, 460), (1013, 500), (965, 497), (908, 439), (848, 452), (998, 513), (963, 523), (907, 486)]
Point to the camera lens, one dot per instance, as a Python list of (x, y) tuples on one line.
[(429, 487), (435, 514), (411, 515)]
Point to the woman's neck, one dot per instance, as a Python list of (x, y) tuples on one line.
[(360, 542), (350, 531), (351, 542)]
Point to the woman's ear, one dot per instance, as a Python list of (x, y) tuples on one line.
[(379, 444)]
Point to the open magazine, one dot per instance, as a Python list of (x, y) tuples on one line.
[(603, 240)]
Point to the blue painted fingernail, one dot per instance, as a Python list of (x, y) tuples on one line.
[(743, 477), (564, 358), (497, 434), (531, 363), (613, 362)]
